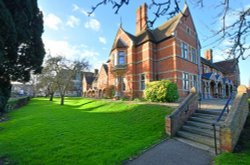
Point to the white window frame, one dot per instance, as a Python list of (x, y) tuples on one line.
[(185, 81), (142, 82), (184, 50), (194, 55), (123, 55), (195, 81), (114, 59)]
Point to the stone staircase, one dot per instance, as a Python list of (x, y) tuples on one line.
[(198, 130)]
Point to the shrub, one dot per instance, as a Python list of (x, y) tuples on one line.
[(161, 91), (110, 91), (15, 103)]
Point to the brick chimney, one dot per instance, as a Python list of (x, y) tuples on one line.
[(209, 55), (141, 18), (96, 72)]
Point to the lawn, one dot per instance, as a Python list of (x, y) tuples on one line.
[(83, 131), (242, 154)]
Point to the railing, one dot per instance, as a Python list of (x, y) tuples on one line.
[(226, 107)]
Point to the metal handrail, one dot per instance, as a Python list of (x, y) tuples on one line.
[(217, 120)]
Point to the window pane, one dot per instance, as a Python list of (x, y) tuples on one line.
[(194, 57), (185, 81), (121, 59), (142, 81)]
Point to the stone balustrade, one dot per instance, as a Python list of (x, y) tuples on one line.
[(186, 108), (230, 130)]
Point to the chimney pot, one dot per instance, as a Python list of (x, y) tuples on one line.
[(209, 55)]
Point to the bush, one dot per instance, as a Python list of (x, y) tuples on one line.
[(161, 91), (15, 103), (110, 91)]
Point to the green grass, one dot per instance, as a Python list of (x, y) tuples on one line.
[(80, 132), (242, 156)]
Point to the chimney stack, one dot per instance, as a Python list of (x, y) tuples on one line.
[(209, 55), (141, 18), (96, 72)]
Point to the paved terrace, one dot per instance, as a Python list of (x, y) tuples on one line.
[(174, 152)]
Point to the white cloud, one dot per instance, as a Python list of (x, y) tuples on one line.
[(52, 21), (65, 49), (93, 24), (73, 21), (102, 40), (84, 12)]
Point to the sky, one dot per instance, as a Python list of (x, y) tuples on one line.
[(70, 32)]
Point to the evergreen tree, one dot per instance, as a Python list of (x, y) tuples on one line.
[(21, 47)]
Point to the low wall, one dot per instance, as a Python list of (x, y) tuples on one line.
[(177, 118), (230, 131), (16, 103)]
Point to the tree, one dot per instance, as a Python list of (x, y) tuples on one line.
[(46, 80), (237, 32), (63, 71), (21, 47)]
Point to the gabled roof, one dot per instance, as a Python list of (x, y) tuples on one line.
[(119, 44), (146, 35), (89, 76), (156, 35), (105, 66), (208, 63), (167, 29), (207, 75), (228, 66)]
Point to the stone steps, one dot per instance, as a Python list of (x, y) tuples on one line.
[(198, 129)]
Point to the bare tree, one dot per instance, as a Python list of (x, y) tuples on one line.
[(46, 80), (62, 73), (236, 32)]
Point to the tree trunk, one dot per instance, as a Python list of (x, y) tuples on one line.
[(62, 99), (51, 96), (5, 91)]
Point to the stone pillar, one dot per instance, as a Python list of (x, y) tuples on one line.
[(209, 89), (204, 88), (216, 89), (223, 90)]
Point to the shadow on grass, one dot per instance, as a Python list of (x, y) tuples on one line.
[(118, 118), (84, 109)]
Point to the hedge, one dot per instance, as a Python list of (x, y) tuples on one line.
[(15, 103), (161, 91)]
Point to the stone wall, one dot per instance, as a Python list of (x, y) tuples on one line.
[(234, 123), (177, 118)]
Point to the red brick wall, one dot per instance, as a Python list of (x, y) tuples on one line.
[(102, 79), (162, 60), (185, 65)]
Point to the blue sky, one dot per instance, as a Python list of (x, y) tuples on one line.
[(69, 32)]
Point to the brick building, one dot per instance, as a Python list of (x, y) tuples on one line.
[(170, 51), (219, 79)]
